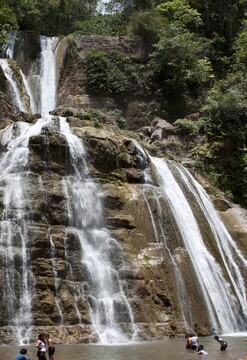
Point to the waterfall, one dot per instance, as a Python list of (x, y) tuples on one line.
[(108, 304), (13, 88), (150, 191), (41, 83), (100, 285), (101, 254), (48, 81), (40, 86), (229, 251), (15, 243), (8, 48), (153, 197), (29, 92), (221, 302)]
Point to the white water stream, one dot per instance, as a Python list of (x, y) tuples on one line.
[(8, 48), (48, 82), (221, 301), (84, 209), (33, 105), (40, 87), (151, 192), (14, 185), (13, 88), (229, 251)]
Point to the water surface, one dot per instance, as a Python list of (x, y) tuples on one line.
[(170, 349)]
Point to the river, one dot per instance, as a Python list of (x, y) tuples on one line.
[(169, 349)]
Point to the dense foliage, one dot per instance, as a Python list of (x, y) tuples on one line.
[(8, 21), (196, 62)]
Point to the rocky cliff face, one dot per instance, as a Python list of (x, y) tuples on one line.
[(147, 255), (137, 107)]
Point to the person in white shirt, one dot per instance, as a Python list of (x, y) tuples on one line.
[(193, 342), (41, 346), (201, 350)]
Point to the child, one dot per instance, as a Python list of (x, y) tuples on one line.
[(201, 350)]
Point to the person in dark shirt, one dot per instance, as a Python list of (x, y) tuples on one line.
[(223, 343)]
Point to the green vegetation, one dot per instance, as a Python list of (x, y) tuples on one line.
[(54, 17), (102, 24), (108, 73), (189, 127), (8, 21), (196, 59)]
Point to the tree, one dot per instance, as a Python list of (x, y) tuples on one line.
[(102, 24), (180, 11), (68, 12), (179, 59), (225, 115), (240, 48), (26, 11), (222, 20), (222, 17), (130, 6), (7, 21), (52, 18)]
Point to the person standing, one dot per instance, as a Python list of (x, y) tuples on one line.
[(41, 346), (223, 343), (188, 341), (51, 347), (194, 342), (23, 355)]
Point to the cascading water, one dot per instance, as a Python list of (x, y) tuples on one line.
[(15, 184), (48, 81), (152, 193), (13, 88), (33, 106), (37, 83), (222, 303), (8, 48), (229, 251), (108, 304), (85, 215)]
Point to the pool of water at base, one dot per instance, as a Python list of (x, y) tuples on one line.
[(168, 349)]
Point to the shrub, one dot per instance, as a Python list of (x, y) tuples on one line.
[(118, 116), (102, 24), (189, 127), (107, 73)]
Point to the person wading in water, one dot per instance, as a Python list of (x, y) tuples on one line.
[(223, 343), (51, 347), (41, 346)]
